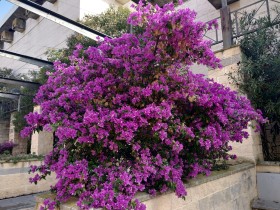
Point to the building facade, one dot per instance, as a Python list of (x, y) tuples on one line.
[(41, 34)]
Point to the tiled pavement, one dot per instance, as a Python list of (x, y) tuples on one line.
[(18, 203)]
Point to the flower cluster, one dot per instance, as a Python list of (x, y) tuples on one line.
[(7, 146), (129, 116)]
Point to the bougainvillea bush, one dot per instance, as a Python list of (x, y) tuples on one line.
[(130, 116), (7, 147)]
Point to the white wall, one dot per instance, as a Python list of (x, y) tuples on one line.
[(94, 7), (40, 35)]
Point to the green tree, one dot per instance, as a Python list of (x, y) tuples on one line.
[(112, 22), (258, 75)]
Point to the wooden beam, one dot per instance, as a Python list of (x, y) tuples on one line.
[(224, 3), (218, 3), (226, 27), (52, 1)]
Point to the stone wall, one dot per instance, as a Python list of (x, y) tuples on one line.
[(42, 142), (232, 189), (21, 143), (14, 179), (4, 130), (251, 148)]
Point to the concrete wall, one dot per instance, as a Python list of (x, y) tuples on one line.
[(14, 180), (268, 186), (41, 35), (232, 189), (4, 130), (268, 181)]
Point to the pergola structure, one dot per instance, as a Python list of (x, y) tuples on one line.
[(17, 22), (11, 101)]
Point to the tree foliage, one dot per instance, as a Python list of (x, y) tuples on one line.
[(112, 22), (26, 100), (258, 75)]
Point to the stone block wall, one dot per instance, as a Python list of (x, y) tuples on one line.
[(232, 189), (251, 148), (14, 179), (4, 130), (21, 143), (221, 191), (42, 142)]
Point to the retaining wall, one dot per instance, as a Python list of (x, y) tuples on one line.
[(14, 179), (232, 189), (251, 148)]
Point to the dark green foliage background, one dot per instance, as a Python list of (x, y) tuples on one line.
[(258, 75)]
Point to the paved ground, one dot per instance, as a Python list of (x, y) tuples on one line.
[(19, 203)]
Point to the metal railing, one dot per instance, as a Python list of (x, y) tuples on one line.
[(261, 8)]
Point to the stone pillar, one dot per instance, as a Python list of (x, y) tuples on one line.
[(251, 148), (15, 137), (4, 130), (42, 142)]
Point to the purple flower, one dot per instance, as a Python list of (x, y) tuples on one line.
[(130, 116)]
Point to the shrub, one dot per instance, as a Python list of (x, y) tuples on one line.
[(258, 76), (6, 147), (130, 117)]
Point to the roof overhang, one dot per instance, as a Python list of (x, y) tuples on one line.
[(218, 3), (158, 2), (15, 12)]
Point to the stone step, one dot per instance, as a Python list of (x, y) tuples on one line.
[(259, 204)]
